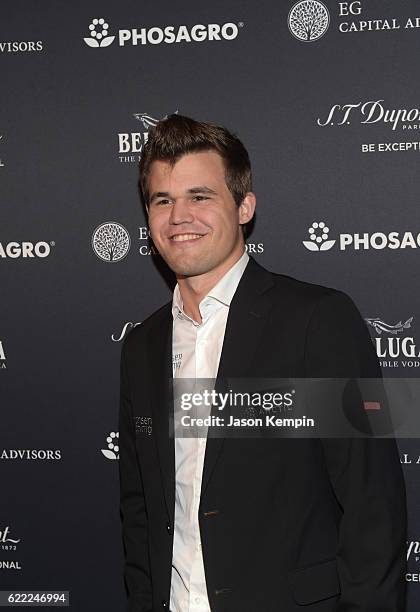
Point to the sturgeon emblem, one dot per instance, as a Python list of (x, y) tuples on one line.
[(380, 326), (147, 120)]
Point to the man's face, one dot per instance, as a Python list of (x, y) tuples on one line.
[(193, 219)]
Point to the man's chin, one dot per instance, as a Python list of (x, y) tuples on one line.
[(188, 271), (188, 268)]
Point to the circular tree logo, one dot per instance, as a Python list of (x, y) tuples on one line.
[(98, 31), (308, 20), (111, 241)]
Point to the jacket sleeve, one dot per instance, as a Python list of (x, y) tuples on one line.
[(133, 508), (365, 473)]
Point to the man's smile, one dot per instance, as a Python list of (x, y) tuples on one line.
[(186, 238)]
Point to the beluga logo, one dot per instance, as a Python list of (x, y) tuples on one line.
[(394, 347), (130, 144), (380, 326)]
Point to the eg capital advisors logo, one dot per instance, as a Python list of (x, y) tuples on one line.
[(111, 241), (308, 20)]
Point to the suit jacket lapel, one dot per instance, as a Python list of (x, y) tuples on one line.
[(247, 316), (160, 351)]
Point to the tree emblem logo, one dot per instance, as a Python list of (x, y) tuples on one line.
[(113, 450), (111, 241), (308, 20), (98, 31), (318, 234)]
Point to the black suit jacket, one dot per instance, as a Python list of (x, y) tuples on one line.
[(286, 524)]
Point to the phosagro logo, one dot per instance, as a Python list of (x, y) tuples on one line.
[(393, 347), (308, 20), (319, 240), (14, 250), (99, 29), (112, 452), (318, 234), (111, 241)]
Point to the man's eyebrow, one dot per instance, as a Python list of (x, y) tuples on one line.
[(198, 189), (201, 189), (158, 194)]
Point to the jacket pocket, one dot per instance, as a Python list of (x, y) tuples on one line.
[(314, 582)]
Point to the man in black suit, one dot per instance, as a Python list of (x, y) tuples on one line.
[(245, 524)]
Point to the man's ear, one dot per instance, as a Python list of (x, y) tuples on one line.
[(247, 207)]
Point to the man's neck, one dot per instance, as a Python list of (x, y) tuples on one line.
[(194, 288)]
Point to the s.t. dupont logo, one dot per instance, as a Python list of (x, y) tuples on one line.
[(112, 452), (127, 327), (413, 556), (413, 550), (4, 537), (111, 241), (308, 20), (371, 112), (8, 544)]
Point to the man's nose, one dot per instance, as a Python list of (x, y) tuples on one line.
[(180, 212)]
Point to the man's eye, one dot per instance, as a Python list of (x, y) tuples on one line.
[(200, 198), (162, 202)]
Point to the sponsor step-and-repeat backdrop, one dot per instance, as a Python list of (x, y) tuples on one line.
[(325, 96)]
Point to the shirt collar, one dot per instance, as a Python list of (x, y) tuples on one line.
[(223, 291)]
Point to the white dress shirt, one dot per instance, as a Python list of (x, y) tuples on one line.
[(196, 351)]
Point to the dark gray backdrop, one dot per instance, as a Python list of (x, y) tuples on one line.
[(63, 105)]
